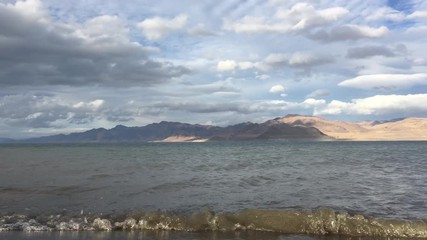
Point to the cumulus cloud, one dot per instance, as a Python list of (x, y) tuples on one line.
[(301, 16), (35, 50), (156, 28), (377, 105), (232, 65), (226, 65), (277, 89), (349, 32), (304, 16), (298, 60), (246, 65), (313, 103), (385, 81), (369, 51)]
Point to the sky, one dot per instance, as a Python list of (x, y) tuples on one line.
[(68, 66)]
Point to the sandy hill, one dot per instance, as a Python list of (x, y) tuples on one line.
[(403, 129)]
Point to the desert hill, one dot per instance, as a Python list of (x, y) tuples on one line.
[(290, 127), (400, 129)]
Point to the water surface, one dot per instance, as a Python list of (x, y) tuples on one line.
[(384, 180)]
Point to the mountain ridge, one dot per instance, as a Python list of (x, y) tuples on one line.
[(289, 127)]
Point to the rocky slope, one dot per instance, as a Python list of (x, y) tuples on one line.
[(394, 130)]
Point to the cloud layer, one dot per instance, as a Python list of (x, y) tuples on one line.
[(405, 105), (156, 28), (34, 50), (385, 81), (67, 66)]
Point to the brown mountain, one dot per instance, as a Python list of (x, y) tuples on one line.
[(290, 127), (394, 130), (184, 132)]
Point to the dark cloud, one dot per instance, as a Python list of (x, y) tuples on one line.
[(348, 33), (369, 51), (240, 107), (298, 60), (37, 111), (197, 107), (36, 51)]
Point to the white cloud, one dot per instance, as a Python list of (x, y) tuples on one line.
[(93, 105), (300, 59), (156, 28), (304, 16), (232, 65), (30, 8), (385, 81), (276, 58), (387, 13), (390, 14), (96, 104), (313, 103), (410, 104), (301, 16), (277, 89), (417, 29), (360, 31), (417, 14), (104, 31), (226, 65), (262, 77), (245, 65), (319, 93)]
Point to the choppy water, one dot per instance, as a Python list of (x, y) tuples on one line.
[(170, 183)]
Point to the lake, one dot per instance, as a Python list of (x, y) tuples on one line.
[(213, 190)]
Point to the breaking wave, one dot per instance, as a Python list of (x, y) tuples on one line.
[(313, 222)]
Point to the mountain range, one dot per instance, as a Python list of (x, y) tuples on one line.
[(290, 127)]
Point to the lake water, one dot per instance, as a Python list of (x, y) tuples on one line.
[(214, 190)]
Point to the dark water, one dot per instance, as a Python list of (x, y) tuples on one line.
[(379, 180)]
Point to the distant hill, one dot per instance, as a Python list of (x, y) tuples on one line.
[(179, 132), (393, 130), (290, 127)]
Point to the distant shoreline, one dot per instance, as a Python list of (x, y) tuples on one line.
[(290, 127)]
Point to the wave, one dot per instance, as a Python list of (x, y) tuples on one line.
[(311, 222)]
